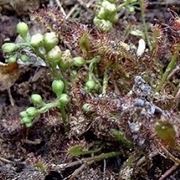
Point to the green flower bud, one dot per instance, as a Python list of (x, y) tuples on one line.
[(105, 15), (28, 125), (64, 99), (102, 24), (102, 14), (97, 21), (41, 51), (26, 119), (109, 7), (166, 132), (54, 55), (32, 112), (105, 26), (87, 108), (57, 87), (23, 114), (37, 101), (22, 29), (114, 19), (66, 60), (90, 85), (11, 59), (78, 61), (37, 40), (9, 47), (24, 58), (50, 40), (131, 9)]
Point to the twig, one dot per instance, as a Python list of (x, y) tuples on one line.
[(72, 11), (143, 159), (6, 160), (174, 71), (77, 171), (168, 172), (105, 82), (172, 157), (10, 97), (84, 162), (86, 6), (142, 5), (104, 170), (92, 160), (34, 142), (61, 8), (177, 96)]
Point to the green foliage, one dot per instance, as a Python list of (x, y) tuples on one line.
[(166, 132), (107, 14), (121, 138), (46, 47), (31, 113), (76, 150), (79, 150)]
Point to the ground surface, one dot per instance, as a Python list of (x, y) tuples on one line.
[(41, 151)]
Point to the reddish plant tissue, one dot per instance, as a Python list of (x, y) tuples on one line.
[(136, 114)]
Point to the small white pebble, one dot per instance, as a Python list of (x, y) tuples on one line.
[(141, 48)]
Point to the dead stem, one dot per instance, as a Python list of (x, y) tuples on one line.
[(84, 162), (168, 70), (142, 5), (105, 82), (60, 6), (168, 172)]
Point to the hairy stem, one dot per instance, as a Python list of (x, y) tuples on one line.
[(142, 5), (168, 70), (105, 82)]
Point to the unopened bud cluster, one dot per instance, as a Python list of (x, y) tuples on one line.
[(39, 106), (10, 49), (45, 46), (107, 15)]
